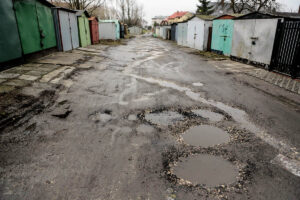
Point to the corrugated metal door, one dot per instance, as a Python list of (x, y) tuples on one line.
[(107, 31), (87, 31), (82, 32), (57, 29), (46, 26), (184, 34), (262, 40), (243, 31), (222, 36), (65, 30), (10, 44), (94, 31), (74, 30), (28, 26)]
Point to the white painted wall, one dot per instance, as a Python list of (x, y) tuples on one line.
[(182, 34), (198, 33), (260, 31), (107, 31)]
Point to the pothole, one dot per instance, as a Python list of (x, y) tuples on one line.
[(206, 169), (205, 136), (211, 116), (164, 118)]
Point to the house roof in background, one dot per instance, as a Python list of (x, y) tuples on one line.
[(205, 17), (177, 14)]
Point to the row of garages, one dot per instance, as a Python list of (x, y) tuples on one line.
[(271, 41), (34, 25)]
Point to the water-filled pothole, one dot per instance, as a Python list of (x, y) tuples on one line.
[(211, 116), (164, 118), (206, 169), (205, 136)]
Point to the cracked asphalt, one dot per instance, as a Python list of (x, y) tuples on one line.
[(92, 138)]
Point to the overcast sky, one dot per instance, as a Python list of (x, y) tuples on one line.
[(167, 7)]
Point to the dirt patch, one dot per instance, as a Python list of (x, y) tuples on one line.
[(210, 55)]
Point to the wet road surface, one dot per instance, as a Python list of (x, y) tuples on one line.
[(117, 133)]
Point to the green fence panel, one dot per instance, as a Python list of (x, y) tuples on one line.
[(84, 31), (82, 34), (87, 30), (46, 26), (10, 45), (28, 26)]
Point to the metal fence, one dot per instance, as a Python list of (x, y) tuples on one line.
[(286, 51)]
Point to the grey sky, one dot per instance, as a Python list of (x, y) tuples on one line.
[(167, 7)]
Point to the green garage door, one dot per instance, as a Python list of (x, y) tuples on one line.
[(36, 26), (10, 46)]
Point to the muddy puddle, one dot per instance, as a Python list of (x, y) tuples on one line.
[(205, 136), (206, 169), (211, 116), (164, 118)]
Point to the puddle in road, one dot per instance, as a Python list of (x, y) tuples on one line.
[(205, 136), (164, 118), (211, 116), (206, 169)]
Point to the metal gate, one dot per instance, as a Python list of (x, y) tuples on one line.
[(10, 45), (286, 51)]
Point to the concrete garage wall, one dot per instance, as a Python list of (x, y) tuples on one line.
[(107, 31), (253, 39), (198, 33), (182, 34)]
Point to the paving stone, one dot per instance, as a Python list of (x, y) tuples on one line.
[(32, 65), (28, 77), (36, 73), (17, 83), (18, 70), (6, 89), (48, 77), (61, 59), (8, 75), (2, 80)]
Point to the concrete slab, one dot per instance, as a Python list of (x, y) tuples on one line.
[(61, 59), (37, 73), (2, 80), (48, 77), (8, 75), (6, 89), (28, 77), (17, 83)]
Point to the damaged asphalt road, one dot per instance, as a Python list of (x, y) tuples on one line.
[(117, 132)]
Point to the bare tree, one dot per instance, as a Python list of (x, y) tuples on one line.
[(239, 6), (130, 12), (90, 5)]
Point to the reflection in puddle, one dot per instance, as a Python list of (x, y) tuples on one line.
[(164, 118), (205, 136), (211, 116), (206, 169)]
